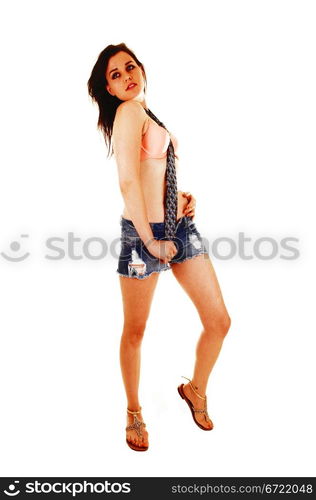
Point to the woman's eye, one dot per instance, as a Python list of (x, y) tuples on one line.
[(129, 66)]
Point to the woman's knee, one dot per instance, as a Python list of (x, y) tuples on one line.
[(133, 332), (219, 323), (226, 322)]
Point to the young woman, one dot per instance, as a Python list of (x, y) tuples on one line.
[(118, 85)]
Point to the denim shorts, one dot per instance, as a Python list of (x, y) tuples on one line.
[(135, 260)]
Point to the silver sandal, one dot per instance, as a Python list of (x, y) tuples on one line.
[(195, 410), (136, 426)]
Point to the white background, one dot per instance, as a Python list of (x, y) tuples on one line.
[(235, 82)]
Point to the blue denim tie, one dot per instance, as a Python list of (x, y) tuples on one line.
[(171, 197)]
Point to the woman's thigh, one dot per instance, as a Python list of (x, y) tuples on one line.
[(137, 297), (198, 278)]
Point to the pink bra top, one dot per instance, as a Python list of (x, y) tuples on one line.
[(155, 142)]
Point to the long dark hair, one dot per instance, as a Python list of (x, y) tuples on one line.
[(97, 90)]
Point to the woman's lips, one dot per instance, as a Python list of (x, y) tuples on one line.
[(132, 86)]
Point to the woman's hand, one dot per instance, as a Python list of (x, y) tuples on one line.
[(163, 250), (189, 210)]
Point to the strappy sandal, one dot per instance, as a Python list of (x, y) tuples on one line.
[(136, 426), (194, 410)]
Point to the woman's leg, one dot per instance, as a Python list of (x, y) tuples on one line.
[(197, 277), (137, 298)]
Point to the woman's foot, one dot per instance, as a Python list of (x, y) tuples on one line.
[(199, 404), (138, 436)]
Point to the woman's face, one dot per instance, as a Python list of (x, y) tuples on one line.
[(121, 72)]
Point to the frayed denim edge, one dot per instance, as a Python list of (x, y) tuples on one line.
[(161, 270), (146, 275)]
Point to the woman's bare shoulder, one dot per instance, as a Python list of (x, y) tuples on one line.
[(130, 108), (130, 112)]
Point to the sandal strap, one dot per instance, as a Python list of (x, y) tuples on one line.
[(193, 389), (137, 426), (206, 415), (134, 412)]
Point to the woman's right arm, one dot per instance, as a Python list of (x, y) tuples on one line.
[(127, 133)]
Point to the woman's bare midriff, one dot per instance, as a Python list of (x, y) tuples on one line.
[(152, 175)]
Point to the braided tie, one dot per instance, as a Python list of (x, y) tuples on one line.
[(171, 197)]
